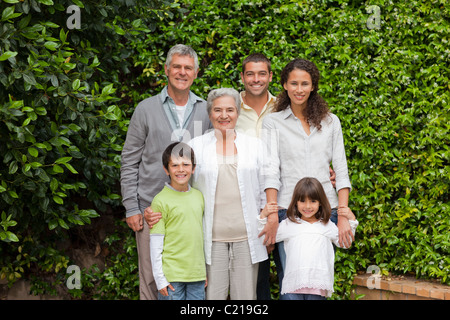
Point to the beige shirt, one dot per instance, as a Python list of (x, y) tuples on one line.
[(249, 122), (228, 222)]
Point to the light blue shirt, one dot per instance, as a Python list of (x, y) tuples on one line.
[(171, 111)]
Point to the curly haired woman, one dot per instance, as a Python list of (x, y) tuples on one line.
[(304, 138)]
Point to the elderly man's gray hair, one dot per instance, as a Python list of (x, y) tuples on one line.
[(217, 93), (182, 50)]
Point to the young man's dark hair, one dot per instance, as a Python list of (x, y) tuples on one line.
[(256, 57)]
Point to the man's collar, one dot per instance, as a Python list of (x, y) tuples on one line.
[(246, 106), (193, 98), (164, 95)]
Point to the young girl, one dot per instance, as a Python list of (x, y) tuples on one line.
[(308, 236)]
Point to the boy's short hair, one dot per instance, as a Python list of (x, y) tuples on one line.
[(177, 149)]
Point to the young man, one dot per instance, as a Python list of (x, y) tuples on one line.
[(176, 245), (256, 99), (173, 115), (256, 103)]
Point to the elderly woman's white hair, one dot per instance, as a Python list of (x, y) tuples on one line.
[(221, 92)]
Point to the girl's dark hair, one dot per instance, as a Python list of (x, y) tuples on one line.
[(178, 149), (316, 107), (312, 189)]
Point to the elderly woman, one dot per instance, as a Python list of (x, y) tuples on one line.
[(229, 174)]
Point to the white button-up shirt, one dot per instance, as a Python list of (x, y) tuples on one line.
[(295, 155), (251, 186)]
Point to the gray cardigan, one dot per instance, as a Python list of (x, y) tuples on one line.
[(149, 133)]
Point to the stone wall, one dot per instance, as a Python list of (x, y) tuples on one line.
[(376, 287)]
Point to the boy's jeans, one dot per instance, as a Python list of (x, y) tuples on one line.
[(185, 291)]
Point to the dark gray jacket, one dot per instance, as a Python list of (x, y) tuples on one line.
[(149, 133)]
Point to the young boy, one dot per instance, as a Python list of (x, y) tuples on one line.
[(176, 241)]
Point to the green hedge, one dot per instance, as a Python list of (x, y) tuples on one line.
[(384, 73), (62, 126), (389, 85)]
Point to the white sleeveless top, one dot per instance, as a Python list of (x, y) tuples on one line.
[(228, 222)]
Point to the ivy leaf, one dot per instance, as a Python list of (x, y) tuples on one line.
[(46, 2), (29, 78), (51, 45), (53, 184), (71, 169), (13, 194), (7, 55), (63, 160), (11, 236), (76, 84), (63, 224), (33, 152), (58, 200), (13, 167), (53, 224), (58, 169), (9, 14), (63, 35), (107, 90)]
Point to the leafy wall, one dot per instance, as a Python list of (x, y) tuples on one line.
[(66, 97), (61, 128), (385, 73)]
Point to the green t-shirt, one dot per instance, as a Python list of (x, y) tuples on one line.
[(181, 224)]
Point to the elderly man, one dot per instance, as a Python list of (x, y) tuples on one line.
[(175, 114)]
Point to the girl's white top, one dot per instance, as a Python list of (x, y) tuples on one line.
[(309, 253)]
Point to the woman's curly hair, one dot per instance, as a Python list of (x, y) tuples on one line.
[(316, 108)]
